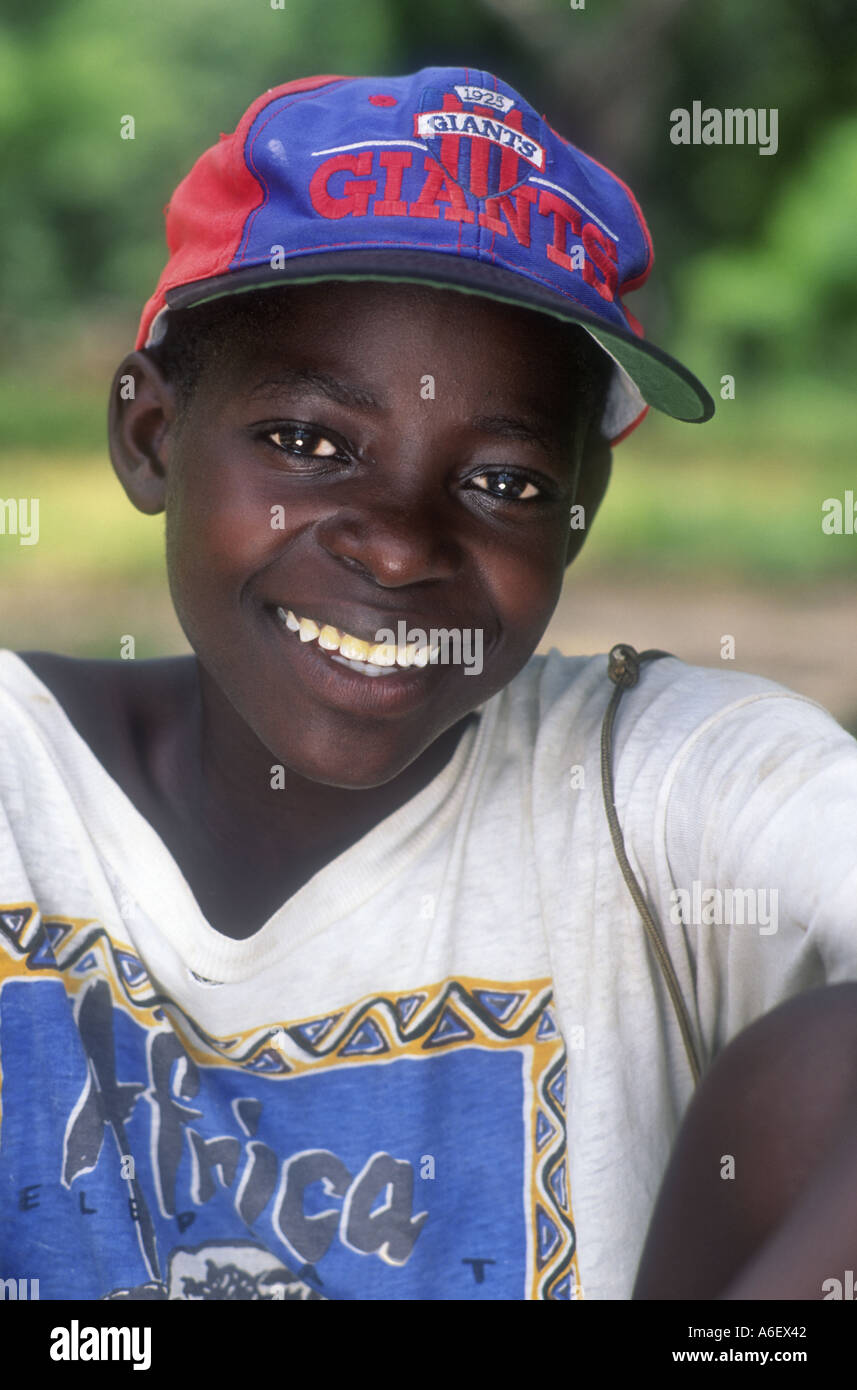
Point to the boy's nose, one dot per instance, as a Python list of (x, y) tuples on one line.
[(394, 542)]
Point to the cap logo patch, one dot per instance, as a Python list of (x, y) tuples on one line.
[(485, 150), (485, 97)]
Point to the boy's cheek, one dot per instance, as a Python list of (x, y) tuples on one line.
[(531, 590), (229, 533)]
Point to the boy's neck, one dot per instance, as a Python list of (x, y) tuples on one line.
[(213, 782), (203, 781)]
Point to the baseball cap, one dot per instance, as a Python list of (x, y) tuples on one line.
[(446, 177)]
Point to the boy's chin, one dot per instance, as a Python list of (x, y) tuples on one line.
[(361, 767)]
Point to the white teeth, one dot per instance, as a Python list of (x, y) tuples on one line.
[(370, 659), (353, 648), (363, 667), (382, 654)]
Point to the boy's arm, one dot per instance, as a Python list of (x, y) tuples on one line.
[(760, 1196)]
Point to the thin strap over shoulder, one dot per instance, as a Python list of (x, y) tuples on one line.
[(623, 668)]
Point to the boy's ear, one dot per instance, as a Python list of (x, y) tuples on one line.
[(592, 483), (140, 427)]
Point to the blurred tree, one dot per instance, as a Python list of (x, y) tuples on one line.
[(788, 297)]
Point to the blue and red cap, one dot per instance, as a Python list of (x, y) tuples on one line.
[(445, 177)]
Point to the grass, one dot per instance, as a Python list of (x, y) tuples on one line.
[(87, 527)]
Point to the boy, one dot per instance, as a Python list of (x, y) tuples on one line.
[(321, 977)]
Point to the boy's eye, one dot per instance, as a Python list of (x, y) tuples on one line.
[(516, 487), (307, 443)]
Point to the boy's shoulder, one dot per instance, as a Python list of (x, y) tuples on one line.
[(667, 681), (672, 705), (114, 705)]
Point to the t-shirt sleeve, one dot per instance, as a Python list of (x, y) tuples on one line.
[(761, 808)]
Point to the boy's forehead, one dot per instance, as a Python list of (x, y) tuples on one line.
[(390, 300), (360, 334)]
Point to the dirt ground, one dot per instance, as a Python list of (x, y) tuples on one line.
[(805, 639)]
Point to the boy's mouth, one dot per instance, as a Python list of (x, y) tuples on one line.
[(370, 659)]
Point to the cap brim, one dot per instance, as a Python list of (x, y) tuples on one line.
[(662, 381)]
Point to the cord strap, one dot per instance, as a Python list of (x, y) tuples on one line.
[(623, 668)]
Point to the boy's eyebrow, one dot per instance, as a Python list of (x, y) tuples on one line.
[(340, 391), (515, 427), (540, 432)]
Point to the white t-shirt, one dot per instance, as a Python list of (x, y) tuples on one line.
[(447, 1067)]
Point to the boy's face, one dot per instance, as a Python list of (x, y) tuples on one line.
[(386, 453)]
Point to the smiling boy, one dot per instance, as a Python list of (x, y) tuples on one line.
[(321, 978)]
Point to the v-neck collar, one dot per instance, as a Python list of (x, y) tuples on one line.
[(146, 868)]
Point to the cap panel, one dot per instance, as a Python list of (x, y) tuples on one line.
[(350, 173), (436, 168), (636, 277), (207, 214)]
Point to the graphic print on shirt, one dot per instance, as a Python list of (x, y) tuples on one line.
[(407, 1146)]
